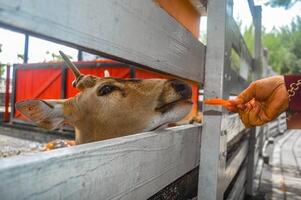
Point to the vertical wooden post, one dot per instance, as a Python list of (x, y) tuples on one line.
[(257, 54), (63, 83), (79, 55), (214, 141), (251, 162), (256, 75), (7, 84), (25, 56)]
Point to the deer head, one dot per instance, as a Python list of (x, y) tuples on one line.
[(111, 107)]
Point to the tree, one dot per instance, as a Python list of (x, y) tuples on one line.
[(282, 3), (284, 46)]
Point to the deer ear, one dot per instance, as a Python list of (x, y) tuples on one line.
[(46, 114)]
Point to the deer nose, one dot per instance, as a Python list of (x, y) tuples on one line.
[(181, 88)]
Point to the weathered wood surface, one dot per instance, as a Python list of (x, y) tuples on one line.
[(239, 43), (239, 186), (232, 126), (131, 167), (130, 30), (235, 82), (213, 143), (234, 164)]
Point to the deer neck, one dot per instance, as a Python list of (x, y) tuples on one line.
[(84, 135)]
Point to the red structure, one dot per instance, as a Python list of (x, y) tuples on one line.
[(53, 80)]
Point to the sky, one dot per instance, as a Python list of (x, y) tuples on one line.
[(277, 17), (13, 43)]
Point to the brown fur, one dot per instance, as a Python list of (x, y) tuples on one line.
[(133, 106), (109, 107)]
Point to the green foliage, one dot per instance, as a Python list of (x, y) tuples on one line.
[(284, 46), (282, 3), (235, 60), (249, 38)]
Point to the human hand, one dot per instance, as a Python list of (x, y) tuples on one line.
[(261, 102)]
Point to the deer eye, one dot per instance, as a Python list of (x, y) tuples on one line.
[(106, 89)]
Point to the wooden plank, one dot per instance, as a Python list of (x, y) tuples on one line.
[(213, 143), (252, 8), (251, 162), (235, 162), (131, 167), (134, 31), (238, 42), (239, 185), (257, 72), (235, 82), (242, 194), (233, 126)]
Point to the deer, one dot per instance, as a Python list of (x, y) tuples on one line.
[(110, 107)]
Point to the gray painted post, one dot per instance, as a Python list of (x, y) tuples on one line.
[(257, 64), (257, 73), (213, 143), (26, 43), (251, 162)]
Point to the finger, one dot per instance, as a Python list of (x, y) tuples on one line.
[(232, 109), (276, 103), (249, 106), (244, 116), (254, 118), (237, 103), (248, 94)]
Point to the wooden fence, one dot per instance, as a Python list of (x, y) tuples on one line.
[(138, 166)]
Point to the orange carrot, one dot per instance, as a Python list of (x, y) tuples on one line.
[(218, 102)]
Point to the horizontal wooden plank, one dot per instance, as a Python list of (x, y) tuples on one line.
[(238, 42), (234, 163), (239, 185), (131, 167), (234, 82), (133, 31), (233, 126), (242, 194)]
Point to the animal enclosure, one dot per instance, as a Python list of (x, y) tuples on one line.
[(140, 33)]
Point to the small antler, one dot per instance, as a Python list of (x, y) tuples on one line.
[(73, 68)]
